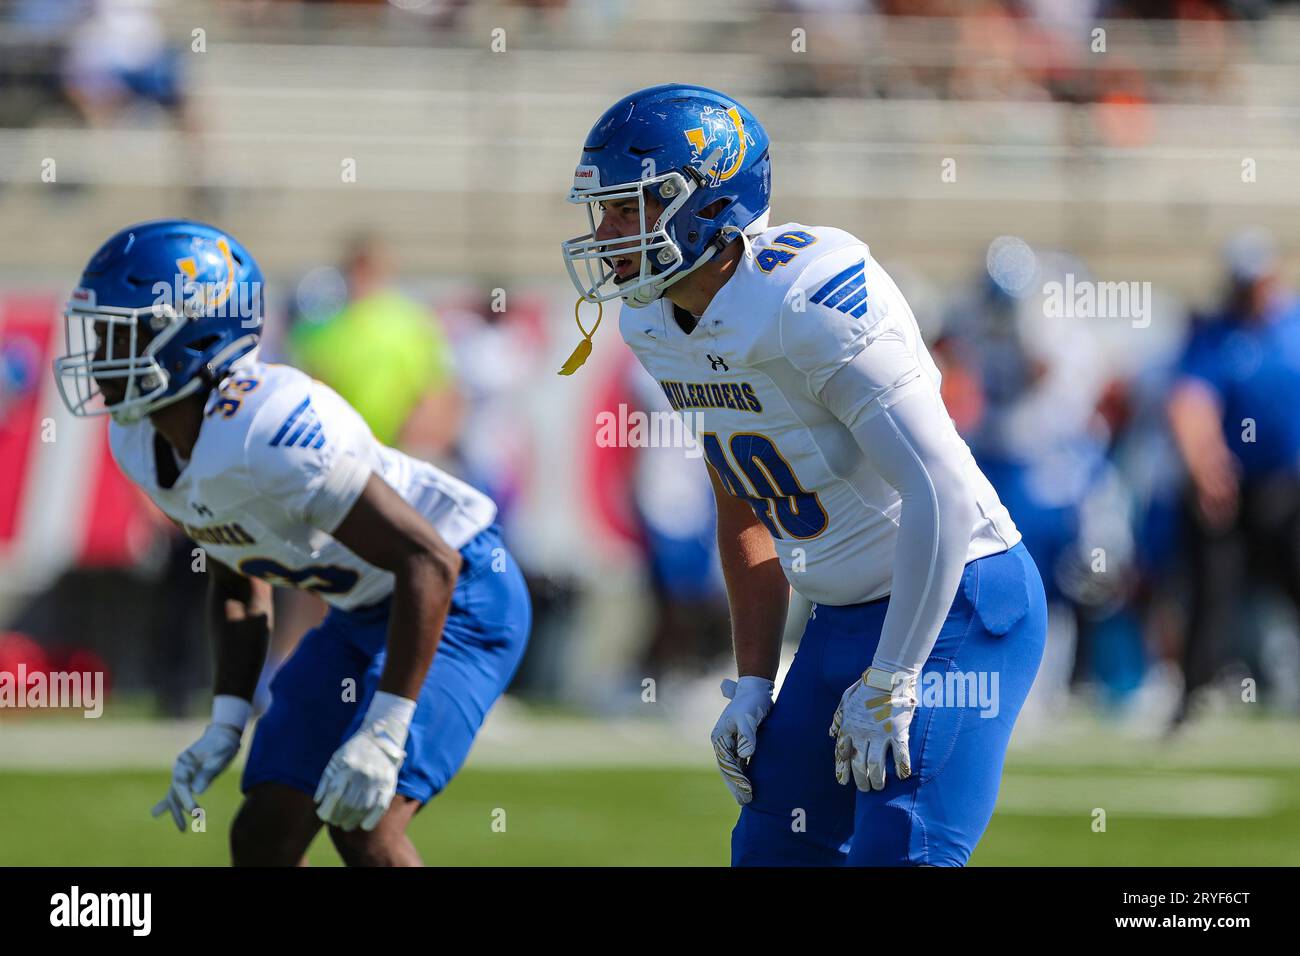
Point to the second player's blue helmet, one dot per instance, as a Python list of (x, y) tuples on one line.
[(163, 309), (699, 153)]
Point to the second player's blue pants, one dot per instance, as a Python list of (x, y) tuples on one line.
[(971, 691)]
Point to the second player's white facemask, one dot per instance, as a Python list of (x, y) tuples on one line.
[(597, 282)]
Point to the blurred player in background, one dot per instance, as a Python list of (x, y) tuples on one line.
[(385, 354), (836, 470), (1037, 434), (282, 483), (674, 512), (1232, 411)]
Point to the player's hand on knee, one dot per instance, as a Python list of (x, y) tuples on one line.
[(361, 779), (873, 717), (735, 735), (199, 764)]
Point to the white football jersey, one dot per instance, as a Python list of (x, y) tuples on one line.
[(279, 461), (747, 380)]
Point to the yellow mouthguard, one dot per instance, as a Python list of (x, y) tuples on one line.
[(583, 351)]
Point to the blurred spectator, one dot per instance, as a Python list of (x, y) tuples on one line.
[(1008, 50), (122, 68), (386, 354), (1232, 411), (498, 344), (674, 507), (119, 57), (33, 37), (1034, 426)]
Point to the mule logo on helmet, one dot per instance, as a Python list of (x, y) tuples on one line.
[(724, 131), (202, 297)]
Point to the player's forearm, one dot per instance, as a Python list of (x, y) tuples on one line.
[(1194, 415), (899, 421), (759, 596), (916, 450), (382, 528), (239, 618), (422, 593), (934, 532)]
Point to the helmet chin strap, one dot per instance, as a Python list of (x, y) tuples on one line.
[(206, 379), (657, 289), (725, 235), (213, 381), (183, 392)]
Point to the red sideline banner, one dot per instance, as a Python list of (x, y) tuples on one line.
[(63, 501)]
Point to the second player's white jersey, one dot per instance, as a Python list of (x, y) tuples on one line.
[(748, 379), (279, 461)]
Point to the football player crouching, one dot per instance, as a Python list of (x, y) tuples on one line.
[(837, 472), (282, 483)]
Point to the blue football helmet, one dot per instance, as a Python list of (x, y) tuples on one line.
[(689, 147), (163, 309)]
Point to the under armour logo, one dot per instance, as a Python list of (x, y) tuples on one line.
[(201, 509), (717, 361)]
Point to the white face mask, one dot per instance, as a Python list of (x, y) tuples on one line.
[(599, 284), (79, 372)]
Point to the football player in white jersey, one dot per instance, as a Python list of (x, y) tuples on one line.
[(837, 472), (282, 483)]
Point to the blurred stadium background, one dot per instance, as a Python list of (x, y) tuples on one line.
[(400, 169)]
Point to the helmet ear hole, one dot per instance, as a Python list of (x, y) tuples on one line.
[(714, 209)]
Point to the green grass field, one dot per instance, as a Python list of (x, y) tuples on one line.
[(653, 817)]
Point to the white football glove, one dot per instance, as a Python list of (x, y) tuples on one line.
[(361, 778), (735, 735), (873, 716), (199, 764)]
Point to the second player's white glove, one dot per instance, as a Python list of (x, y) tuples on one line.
[(361, 778), (874, 716), (735, 735), (201, 762)]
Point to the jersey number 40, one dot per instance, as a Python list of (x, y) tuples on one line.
[(778, 499), (793, 241)]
